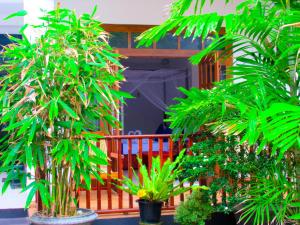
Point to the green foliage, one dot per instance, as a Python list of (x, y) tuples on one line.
[(236, 163), (263, 93), (261, 101), (158, 184), (195, 210), (271, 198), (54, 91)]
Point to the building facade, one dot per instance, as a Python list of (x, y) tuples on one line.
[(124, 19)]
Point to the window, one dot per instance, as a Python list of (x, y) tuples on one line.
[(190, 44), (168, 42), (134, 43), (119, 39), (223, 72)]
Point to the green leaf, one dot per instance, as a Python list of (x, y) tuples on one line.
[(28, 152), (295, 216), (30, 196), (32, 132), (16, 14), (68, 110), (94, 10)]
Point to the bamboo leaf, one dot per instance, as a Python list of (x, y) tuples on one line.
[(68, 109), (16, 14)]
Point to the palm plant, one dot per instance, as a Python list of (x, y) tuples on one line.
[(260, 102), (53, 93)]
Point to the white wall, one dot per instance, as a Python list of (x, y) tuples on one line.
[(33, 7), (147, 12), (34, 11)]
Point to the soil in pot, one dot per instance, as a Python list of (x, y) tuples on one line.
[(219, 218), (83, 217), (150, 211)]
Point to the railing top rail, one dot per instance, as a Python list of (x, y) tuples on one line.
[(138, 136)]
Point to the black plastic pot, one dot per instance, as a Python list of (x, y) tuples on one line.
[(219, 218), (150, 211)]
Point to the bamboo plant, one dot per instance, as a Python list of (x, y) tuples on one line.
[(53, 93)]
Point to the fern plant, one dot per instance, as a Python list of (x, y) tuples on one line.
[(54, 91), (159, 183)]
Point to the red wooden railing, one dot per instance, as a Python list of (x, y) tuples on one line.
[(123, 151)]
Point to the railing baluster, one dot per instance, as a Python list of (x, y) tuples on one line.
[(190, 144), (130, 169), (140, 155), (170, 142), (120, 172), (150, 153), (160, 149), (108, 175), (210, 75), (180, 149), (88, 199), (98, 182)]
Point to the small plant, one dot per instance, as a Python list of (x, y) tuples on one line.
[(195, 210), (236, 163), (158, 185)]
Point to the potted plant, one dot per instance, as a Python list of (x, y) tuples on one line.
[(53, 93), (156, 187), (236, 162), (196, 210)]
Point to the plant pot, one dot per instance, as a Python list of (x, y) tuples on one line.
[(150, 211), (220, 218), (83, 217)]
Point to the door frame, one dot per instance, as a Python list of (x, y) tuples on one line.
[(147, 52), (206, 76)]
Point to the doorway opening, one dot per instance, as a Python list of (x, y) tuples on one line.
[(154, 83)]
